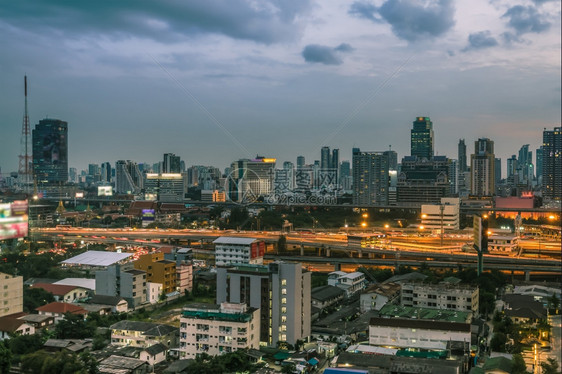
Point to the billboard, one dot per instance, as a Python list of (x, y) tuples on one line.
[(148, 214), (105, 191), (13, 220)]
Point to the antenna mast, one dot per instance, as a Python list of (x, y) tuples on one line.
[(24, 169)]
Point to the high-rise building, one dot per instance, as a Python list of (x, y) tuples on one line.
[(72, 175), (423, 180), (462, 156), (422, 138), (498, 171), (128, 177), (280, 290), (106, 172), (370, 178), (525, 165), (538, 162), (251, 179), (552, 163), (482, 168), (392, 159), (50, 151), (300, 162), (511, 166), (325, 159), (453, 177), (166, 188), (171, 163)]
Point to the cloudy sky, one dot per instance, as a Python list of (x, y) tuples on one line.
[(218, 80)]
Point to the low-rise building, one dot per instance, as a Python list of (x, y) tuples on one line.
[(444, 215), (38, 321), (158, 270), (379, 295), (440, 296), (153, 292), (143, 334), (324, 296), (117, 304), (13, 326), (11, 294), (234, 250), (123, 365), (503, 243), (349, 282), (57, 310), (218, 329), (411, 333), (123, 281), (64, 293)]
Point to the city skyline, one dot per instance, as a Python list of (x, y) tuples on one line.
[(197, 81)]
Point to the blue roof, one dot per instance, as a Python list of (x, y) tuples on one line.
[(313, 361), (343, 371)]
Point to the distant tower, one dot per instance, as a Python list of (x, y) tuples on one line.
[(421, 141), (24, 170)]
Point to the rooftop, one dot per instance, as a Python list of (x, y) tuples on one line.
[(234, 240), (60, 308), (55, 289), (97, 258), (397, 311), (323, 293), (420, 324), (79, 282), (149, 329)]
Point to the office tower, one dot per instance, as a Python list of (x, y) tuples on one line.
[(538, 162), (552, 163), (525, 165), (171, 163), (325, 158), (73, 175), (280, 290), (251, 179), (482, 168), (512, 169), (453, 177), (392, 159), (165, 188), (498, 171), (421, 144), (128, 177), (182, 166), (289, 174), (93, 169), (370, 178), (50, 151), (345, 169), (462, 156), (300, 162), (106, 172), (423, 180)]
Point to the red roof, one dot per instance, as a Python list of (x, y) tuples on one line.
[(61, 308), (10, 324), (55, 289)]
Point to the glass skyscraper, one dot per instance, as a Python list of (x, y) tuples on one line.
[(422, 138), (50, 151)]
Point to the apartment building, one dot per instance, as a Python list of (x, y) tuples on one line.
[(158, 270), (349, 282), (233, 250), (11, 294), (218, 329), (440, 296)]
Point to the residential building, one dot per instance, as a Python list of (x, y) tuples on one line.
[(349, 282), (143, 334), (123, 281), (158, 270), (64, 293), (116, 303), (482, 168), (123, 365), (128, 177), (552, 163), (325, 296), (421, 138), (370, 177), (154, 354), (11, 294), (441, 216), (440, 296), (38, 321), (184, 268), (375, 297), (57, 310), (538, 162), (50, 151), (165, 188), (413, 333), (10, 326), (234, 250), (280, 290), (218, 329), (461, 159), (503, 243), (525, 166), (153, 292)]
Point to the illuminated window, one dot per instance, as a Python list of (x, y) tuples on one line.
[(284, 300), (283, 282)]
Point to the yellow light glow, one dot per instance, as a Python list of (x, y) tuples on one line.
[(365, 215), (424, 215), (364, 224), (269, 160), (485, 216), (386, 226), (489, 233), (421, 227), (551, 217)]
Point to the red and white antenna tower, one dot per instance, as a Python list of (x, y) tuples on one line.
[(25, 173)]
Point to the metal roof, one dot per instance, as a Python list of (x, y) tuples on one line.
[(97, 258), (234, 240)]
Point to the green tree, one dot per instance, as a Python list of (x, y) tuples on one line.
[(498, 341), (282, 243), (553, 303), (35, 297), (5, 358), (550, 366), (73, 326), (519, 366), (24, 344)]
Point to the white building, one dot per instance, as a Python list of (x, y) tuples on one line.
[(349, 282), (446, 214), (233, 250), (215, 329), (440, 296), (503, 243), (153, 292), (378, 295), (412, 333)]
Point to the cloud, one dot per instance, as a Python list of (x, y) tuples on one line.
[(409, 19), (481, 40), (364, 10), (322, 54), (526, 19), (267, 21)]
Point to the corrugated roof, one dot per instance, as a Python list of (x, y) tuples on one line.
[(79, 282), (59, 308), (234, 240), (420, 324), (55, 289), (97, 258)]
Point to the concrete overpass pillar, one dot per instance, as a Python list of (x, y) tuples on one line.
[(302, 249), (359, 253), (371, 255), (327, 252), (527, 275), (337, 266)]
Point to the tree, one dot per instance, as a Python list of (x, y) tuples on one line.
[(282, 243), (550, 366), (519, 366), (73, 326), (288, 369), (35, 297), (553, 303), (498, 341), (5, 358), (24, 344)]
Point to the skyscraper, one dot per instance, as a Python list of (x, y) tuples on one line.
[(128, 177), (171, 163), (462, 156), (498, 171), (421, 144), (370, 178), (50, 151), (552, 163), (251, 179), (325, 159), (525, 165), (538, 158), (482, 168), (300, 162)]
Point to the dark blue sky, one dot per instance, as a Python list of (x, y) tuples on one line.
[(213, 81)]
